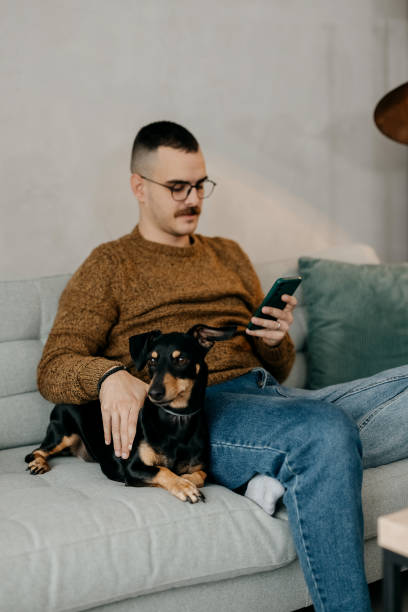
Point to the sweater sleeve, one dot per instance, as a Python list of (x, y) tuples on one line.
[(278, 359), (72, 361)]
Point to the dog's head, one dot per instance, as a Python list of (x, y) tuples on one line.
[(175, 360)]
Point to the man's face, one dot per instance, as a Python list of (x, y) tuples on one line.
[(157, 205)]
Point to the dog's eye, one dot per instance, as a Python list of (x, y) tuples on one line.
[(152, 362), (182, 361)]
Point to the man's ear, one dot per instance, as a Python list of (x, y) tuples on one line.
[(136, 183), (206, 335), (139, 347)]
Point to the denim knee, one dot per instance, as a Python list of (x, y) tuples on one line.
[(330, 441)]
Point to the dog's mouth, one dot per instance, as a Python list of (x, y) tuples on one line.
[(162, 402), (173, 402), (177, 392)]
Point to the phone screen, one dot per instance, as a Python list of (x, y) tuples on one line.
[(285, 285)]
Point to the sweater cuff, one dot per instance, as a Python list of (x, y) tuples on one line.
[(89, 374), (275, 354)]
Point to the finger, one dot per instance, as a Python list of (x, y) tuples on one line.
[(281, 324), (285, 314), (106, 420), (116, 434), (124, 434), (291, 301), (269, 335), (132, 424), (272, 312)]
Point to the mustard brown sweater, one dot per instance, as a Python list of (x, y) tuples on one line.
[(132, 285)]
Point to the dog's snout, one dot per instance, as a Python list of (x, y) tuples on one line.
[(157, 393)]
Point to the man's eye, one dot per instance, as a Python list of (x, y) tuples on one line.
[(178, 187)]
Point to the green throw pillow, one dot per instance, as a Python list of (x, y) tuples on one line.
[(357, 319)]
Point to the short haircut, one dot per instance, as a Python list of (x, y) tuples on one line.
[(160, 134)]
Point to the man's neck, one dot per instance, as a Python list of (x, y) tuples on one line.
[(156, 235)]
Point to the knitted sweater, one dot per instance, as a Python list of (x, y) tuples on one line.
[(132, 285)]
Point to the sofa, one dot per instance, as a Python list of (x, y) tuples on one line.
[(73, 540)]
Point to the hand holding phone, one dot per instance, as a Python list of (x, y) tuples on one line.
[(285, 285)]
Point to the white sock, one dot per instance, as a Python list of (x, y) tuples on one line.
[(264, 491)]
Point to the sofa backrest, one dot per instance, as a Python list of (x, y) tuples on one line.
[(27, 312)]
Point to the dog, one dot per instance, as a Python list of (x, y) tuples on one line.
[(170, 449)]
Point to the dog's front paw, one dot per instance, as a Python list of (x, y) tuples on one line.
[(38, 466), (198, 478), (186, 491)]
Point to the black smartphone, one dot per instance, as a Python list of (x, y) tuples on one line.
[(285, 285)]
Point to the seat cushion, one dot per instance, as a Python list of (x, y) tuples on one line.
[(72, 539)]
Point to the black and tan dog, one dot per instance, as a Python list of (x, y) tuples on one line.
[(171, 443)]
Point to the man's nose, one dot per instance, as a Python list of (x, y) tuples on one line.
[(192, 197)]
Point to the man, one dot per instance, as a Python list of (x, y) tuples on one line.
[(164, 276)]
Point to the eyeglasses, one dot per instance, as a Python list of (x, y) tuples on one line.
[(180, 191)]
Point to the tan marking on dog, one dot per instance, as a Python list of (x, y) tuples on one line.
[(78, 449), (39, 465), (155, 354), (176, 354), (149, 456), (179, 389), (187, 468), (66, 442), (198, 367), (73, 442), (197, 478), (181, 488)]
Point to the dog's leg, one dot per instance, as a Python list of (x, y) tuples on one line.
[(59, 438), (197, 478), (157, 476), (37, 460)]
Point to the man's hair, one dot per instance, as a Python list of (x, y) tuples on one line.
[(160, 134)]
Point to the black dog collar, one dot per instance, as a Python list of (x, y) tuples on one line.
[(179, 414)]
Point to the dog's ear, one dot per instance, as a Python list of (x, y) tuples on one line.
[(207, 335), (139, 347)]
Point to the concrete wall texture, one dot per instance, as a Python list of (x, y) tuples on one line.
[(280, 94)]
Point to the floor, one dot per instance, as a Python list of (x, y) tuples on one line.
[(376, 596)]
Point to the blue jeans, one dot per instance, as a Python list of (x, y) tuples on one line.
[(316, 443)]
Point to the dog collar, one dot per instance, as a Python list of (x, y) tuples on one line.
[(179, 414)]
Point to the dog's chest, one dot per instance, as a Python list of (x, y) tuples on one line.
[(151, 457), (181, 462)]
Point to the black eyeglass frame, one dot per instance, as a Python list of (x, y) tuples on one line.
[(172, 187)]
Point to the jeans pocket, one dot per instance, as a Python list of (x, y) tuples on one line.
[(264, 378)]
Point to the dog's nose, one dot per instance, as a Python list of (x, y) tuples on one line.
[(157, 393)]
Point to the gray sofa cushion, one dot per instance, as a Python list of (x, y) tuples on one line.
[(84, 540), (88, 540)]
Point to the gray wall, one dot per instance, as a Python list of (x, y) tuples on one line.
[(280, 93)]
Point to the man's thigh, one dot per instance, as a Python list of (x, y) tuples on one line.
[(253, 429), (378, 404)]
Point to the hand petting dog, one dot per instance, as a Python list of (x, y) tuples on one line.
[(274, 331), (122, 396)]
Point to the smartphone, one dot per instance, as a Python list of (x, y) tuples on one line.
[(285, 285)]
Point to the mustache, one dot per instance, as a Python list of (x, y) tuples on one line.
[(191, 210)]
